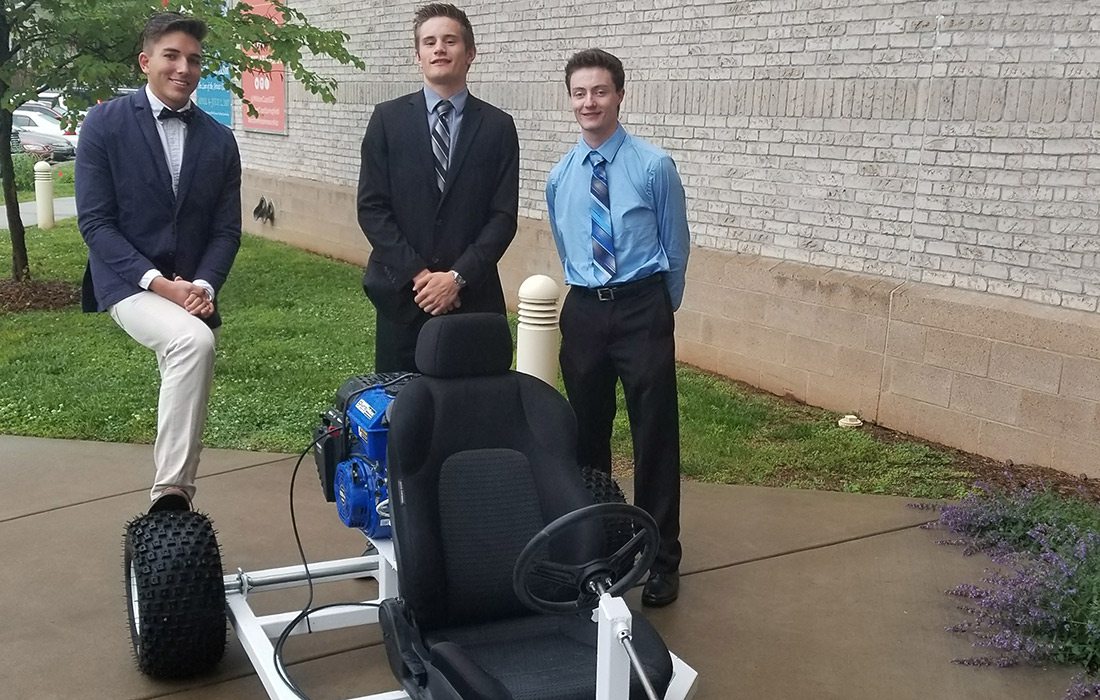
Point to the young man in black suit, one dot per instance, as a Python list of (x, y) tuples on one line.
[(438, 193), (158, 199)]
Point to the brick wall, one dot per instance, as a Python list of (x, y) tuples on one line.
[(895, 145), (954, 143)]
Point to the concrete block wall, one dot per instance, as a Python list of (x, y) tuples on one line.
[(1004, 379), (849, 152), (1008, 379)]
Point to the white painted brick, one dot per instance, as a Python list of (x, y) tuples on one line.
[(842, 134)]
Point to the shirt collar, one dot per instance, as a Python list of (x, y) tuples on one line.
[(458, 100), (156, 105), (607, 149)]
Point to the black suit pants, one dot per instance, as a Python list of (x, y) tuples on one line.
[(630, 339), (395, 343)]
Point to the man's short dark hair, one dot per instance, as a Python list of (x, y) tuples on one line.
[(442, 9), (167, 22), (596, 58)]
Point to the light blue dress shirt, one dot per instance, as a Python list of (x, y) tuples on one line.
[(458, 102), (648, 214)]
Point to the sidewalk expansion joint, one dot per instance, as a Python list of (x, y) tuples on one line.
[(810, 548), (131, 492)]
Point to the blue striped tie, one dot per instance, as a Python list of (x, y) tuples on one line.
[(603, 247)]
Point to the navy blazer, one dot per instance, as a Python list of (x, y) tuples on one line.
[(411, 225), (128, 214)]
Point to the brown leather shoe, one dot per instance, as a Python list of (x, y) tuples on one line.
[(171, 498), (661, 589)]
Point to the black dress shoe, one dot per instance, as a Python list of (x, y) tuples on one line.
[(661, 589)]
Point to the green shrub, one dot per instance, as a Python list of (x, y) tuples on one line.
[(24, 172)]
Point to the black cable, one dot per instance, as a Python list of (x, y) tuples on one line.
[(307, 610), (281, 641), (279, 667)]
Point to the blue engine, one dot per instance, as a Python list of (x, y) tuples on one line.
[(350, 451), (362, 500)]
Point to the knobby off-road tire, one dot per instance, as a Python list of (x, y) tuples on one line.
[(603, 486), (605, 489), (175, 594)]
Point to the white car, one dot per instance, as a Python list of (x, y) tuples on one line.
[(42, 124), (40, 108)]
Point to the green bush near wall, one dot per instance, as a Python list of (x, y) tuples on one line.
[(24, 172)]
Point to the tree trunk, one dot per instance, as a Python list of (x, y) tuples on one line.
[(20, 267)]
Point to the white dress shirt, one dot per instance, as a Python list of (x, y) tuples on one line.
[(173, 137)]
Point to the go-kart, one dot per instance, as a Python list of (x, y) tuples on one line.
[(500, 564)]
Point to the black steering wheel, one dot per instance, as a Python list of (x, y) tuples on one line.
[(585, 580)]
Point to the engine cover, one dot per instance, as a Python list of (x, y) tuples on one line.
[(361, 496), (350, 450)]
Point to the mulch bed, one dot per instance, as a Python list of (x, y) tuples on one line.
[(34, 295)]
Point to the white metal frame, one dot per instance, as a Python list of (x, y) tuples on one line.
[(257, 631)]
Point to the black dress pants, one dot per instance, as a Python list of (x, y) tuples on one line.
[(628, 338), (395, 343)]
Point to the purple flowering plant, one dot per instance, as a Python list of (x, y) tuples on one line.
[(1042, 605)]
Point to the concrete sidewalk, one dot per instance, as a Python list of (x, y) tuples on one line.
[(786, 594), (63, 208)]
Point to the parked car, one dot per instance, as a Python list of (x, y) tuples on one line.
[(42, 124), (54, 100), (42, 146), (41, 108)]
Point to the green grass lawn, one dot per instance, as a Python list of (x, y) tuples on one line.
[(298, 325)]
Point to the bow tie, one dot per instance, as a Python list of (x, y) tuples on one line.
[(184, 115)]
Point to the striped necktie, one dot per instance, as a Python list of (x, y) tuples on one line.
[(603, 246), (441, 142)]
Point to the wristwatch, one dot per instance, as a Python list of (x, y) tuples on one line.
[(459, 279)]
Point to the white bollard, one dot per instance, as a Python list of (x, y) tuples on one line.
[(537, 340), (43, 193)]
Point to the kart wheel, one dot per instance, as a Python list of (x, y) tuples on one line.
[(605, 489), (602, 485), (175, 594)]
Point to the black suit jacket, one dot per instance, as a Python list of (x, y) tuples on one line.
[(128, 214), (412, 226)]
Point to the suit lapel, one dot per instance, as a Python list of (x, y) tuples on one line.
[(196, 137), (143, 114), (471, 121), (421, 139)]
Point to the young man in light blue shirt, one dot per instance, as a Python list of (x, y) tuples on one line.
[(618, 215)]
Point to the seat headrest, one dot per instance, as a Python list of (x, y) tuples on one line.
[(464, 345)]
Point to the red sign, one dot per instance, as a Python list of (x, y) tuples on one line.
[(266, 91)]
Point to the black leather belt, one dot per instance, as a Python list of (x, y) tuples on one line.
[(620, 291)]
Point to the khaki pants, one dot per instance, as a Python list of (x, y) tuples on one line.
[(184, 347)]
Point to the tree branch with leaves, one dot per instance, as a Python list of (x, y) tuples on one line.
[(87, 49)]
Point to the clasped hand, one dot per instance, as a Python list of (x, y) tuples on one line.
[(436, 292), (189, 295)]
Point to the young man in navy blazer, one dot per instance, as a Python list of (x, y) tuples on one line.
[(437, 201), (158, 200)]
